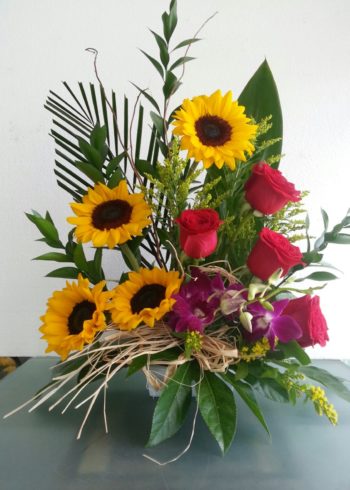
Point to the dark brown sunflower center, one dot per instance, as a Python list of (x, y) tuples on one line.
[(111, 214), (212, 130), (81, 312), (149, 296)]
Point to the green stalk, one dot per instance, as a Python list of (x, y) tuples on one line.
[(129, 254)]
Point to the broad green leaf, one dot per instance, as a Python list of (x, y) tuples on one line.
[(246, 393), (273, 390), (319, 276), (260, 99), (293, 349), (218, 409), (172, 406), (155, 63), (55, 256), (327, 379), (181, 61), (90, 171), (186, 42), (64, 273)]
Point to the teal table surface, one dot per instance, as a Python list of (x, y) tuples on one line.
[(39, 450)]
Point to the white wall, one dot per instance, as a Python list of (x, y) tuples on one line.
[(42, 42)]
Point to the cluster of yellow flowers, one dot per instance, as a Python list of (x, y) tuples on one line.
[(321, 403), (259, 349)]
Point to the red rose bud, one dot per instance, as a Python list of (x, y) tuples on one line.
[(307, 312), (198, 232), (268, 191), (272, 251)]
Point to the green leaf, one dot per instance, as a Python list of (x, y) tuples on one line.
[(148, 97), (91, 154), (115, 178), (312, 257), (144, 167), (55, 256), (242, 371), (79, 258), (163, 48), (155, 63), (172, 406), (98, 272), (218, 409), (340, 239), (319, 276), (170, 20), (260, 98), (158, 122), (181, 61), (273, 390), (246, 393), (328, 380), (98, 138), (114, 164), (293, 349), (47, 229), (64, 272), (171, 84), (186, 42), (137, 364), (325, 219), (90, 171)]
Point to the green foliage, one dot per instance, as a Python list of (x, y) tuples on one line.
[(260, 98), (218, 409), (172, 406)]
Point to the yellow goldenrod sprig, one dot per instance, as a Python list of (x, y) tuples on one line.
[(193, 342), (258, 350)]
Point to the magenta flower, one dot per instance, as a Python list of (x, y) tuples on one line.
[(272, 324), (196, 303)]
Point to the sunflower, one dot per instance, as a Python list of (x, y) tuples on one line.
[(74, 316), (214, 130), (110, 216), (144, 298)]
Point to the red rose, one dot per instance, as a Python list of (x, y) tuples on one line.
[(272, 251), (198, 232), (307, 312), (268, 191)]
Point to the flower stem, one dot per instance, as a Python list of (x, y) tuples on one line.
[(125, 249)]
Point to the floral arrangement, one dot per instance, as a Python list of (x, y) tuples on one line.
[(207, 225)]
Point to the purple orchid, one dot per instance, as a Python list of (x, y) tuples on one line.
[(272, 324), (196, 302)]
